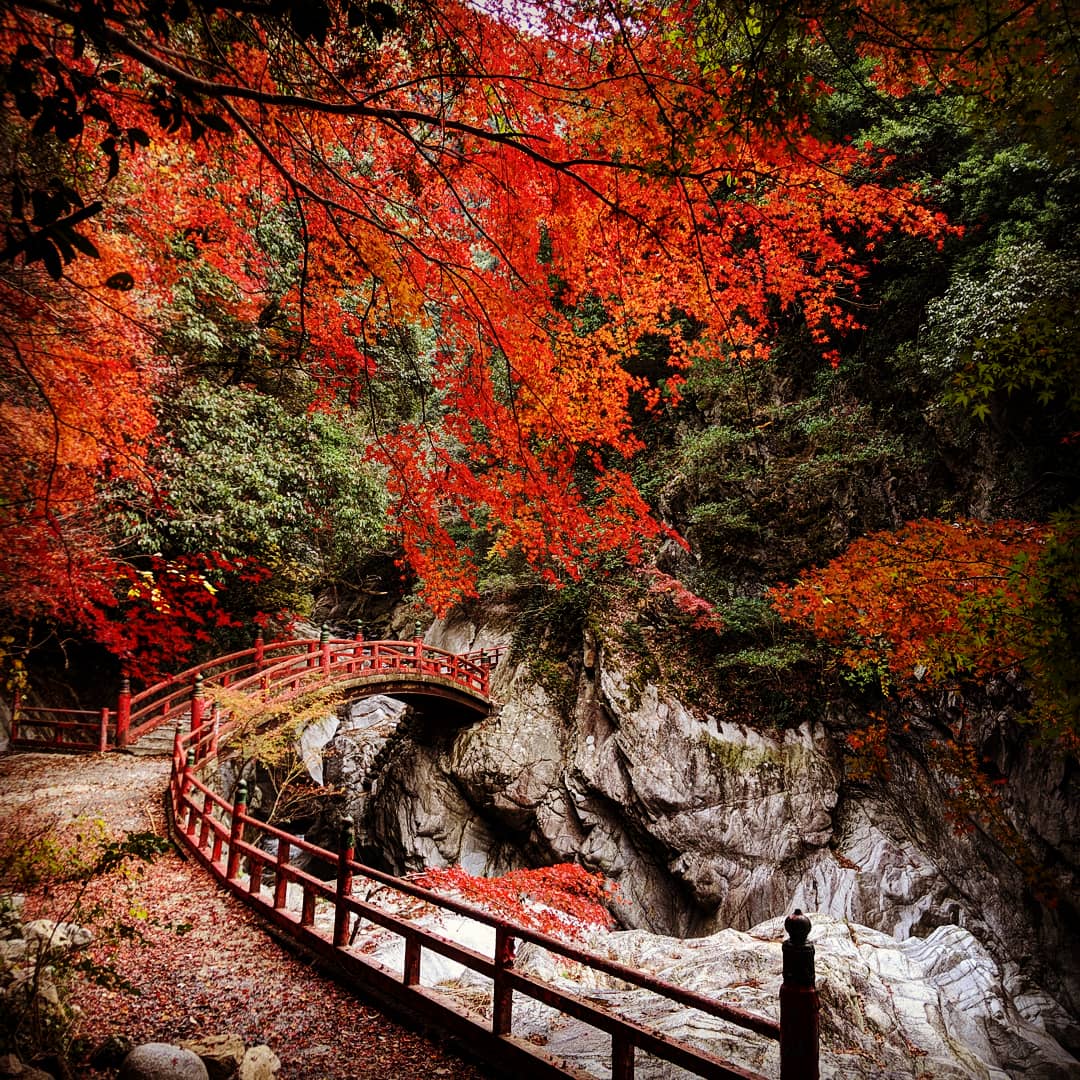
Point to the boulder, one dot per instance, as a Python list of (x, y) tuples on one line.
[(162, 1061)]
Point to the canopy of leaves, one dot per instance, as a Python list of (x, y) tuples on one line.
[(938, 601), (561, 208)]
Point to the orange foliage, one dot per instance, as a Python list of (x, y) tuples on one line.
[(934, 600), (489, 183)]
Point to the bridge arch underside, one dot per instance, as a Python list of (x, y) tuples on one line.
[(435, 698)]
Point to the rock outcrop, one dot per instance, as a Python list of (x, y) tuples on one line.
[(707, 825)]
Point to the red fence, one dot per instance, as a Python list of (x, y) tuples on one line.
[(231, 844), (280, 667)]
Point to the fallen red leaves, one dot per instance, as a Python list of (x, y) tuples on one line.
[(201, 964)]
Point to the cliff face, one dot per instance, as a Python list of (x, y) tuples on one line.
[(706, 825)]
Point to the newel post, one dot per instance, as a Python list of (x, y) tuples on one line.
[(324, 650), (123, 712), (798, 1003), (198, 707), (236, 828), (260, 651), (346, 850)]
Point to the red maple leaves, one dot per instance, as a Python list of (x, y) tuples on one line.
[(562, 900)]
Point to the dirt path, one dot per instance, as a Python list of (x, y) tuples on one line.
[(203, 965)]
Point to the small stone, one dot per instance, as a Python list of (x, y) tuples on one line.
[(57, 935), (221, 1054), (162, 1061), (260, 1063), (11, 1066)]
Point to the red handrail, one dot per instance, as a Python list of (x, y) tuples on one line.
[(302, 662)]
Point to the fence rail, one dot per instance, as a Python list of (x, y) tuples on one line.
[(233, 846)]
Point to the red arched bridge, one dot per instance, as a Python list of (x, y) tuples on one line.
[(278, 670)]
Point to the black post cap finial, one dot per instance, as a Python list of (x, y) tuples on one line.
[(242, 792), (797, 926), (348, 832), (797, 951)]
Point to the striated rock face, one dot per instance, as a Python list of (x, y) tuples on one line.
[(706, 825), (938, 1007)]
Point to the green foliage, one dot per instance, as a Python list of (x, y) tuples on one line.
[(246, 477), (1009, 331), (1050, 629), (263, 739), (778, 475)]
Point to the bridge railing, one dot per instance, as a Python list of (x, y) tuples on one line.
[(276, 666), (70, 730), (255, 861)]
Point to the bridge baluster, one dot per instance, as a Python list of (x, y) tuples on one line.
[(410, 975), (622, 1058), (281, 882), (236, 828), (502, 1005), (346, 850)]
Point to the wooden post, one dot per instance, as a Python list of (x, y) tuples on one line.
[(16, 705), (260, 651), (236, 828), (346, 849), (215, 728), (798, 1003), (281, 882), (324, 649), (123, 712), (411, 970), (103, 732), (622, 1058), (189, 770), (198, 707), (255, 872), (207, 813), (502, 1005)]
